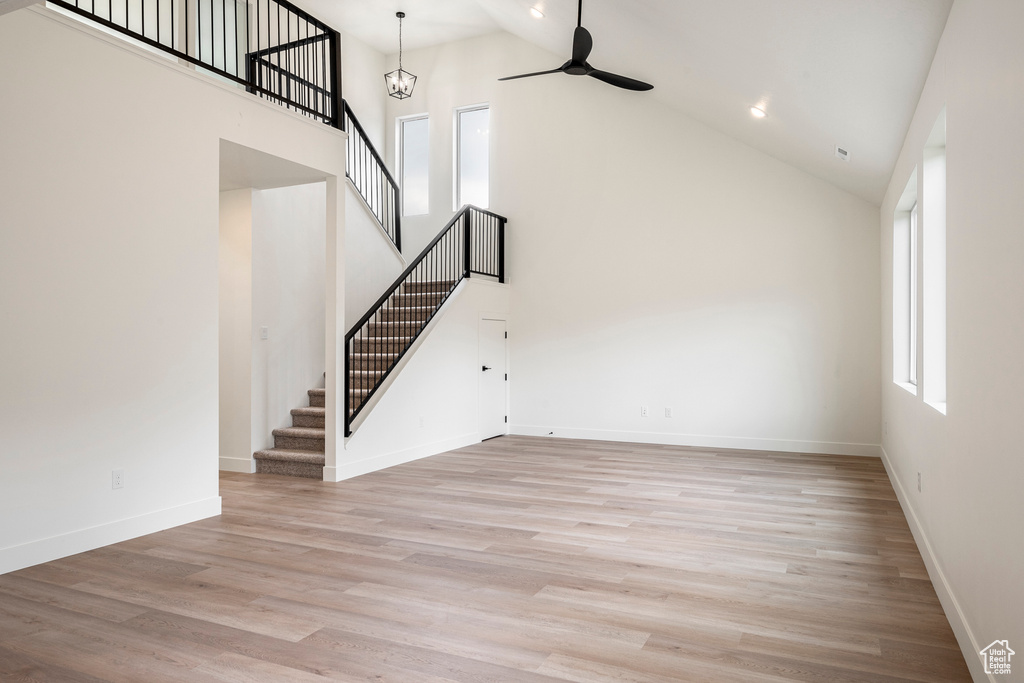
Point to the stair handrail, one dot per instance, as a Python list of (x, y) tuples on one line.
[(480, 251), (365, 167)]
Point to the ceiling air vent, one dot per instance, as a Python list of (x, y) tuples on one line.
[(842, 154)]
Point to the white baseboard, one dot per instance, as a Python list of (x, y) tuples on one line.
[(244, 465), (349, 470), (56, 547), (950, 605), (704, 441)]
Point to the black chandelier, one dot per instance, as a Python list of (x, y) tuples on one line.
[(400, 82)]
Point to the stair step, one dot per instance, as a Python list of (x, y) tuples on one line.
[(309, 417), (290, 455), (317, 398), (290, 462), (299, 438), (359, 362), (436, 286), (395, 328), (412, 313), (385, 344), (416, 299)]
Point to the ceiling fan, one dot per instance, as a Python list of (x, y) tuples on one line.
[(582, 44)]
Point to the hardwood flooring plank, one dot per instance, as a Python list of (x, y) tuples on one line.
[(519, 559)]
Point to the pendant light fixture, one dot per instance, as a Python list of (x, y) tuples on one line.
[(400, 82)]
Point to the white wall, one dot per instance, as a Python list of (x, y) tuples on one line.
[(109, 281), (372, 262), (656, 262), (362, 70), (432, 404), (12, 5), (235, 337), (968, 514), (288, 241)]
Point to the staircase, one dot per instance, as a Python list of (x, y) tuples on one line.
[(298, 450), (473, 242), (400, 321)]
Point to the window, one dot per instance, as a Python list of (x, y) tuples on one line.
[(472, 156), (912, 296), (414, 164), (933, 280), (904, 288)]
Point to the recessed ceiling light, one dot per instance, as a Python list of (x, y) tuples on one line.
[(758, 112), (537, 14)]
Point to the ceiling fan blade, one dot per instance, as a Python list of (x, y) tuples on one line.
[(620, 81), (535, 73), (582, 44)]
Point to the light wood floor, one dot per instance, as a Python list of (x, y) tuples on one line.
[(520, 559)]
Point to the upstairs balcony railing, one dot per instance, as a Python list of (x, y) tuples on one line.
[(271, 47)]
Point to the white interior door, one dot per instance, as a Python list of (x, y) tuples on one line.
[(493, 376)]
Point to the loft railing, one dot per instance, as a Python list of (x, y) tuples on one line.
[(271, 47), (473, 243), (371, 178)]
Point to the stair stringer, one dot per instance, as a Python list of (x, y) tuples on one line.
[(438, 378), (373, 219)]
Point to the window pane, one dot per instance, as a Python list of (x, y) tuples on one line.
[(912, 286), (415, 165), (474, 159)]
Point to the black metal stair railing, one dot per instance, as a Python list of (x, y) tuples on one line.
[(273, 48), (473, 243), (371, 178)]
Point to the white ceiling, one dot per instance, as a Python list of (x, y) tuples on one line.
[(828, 72)]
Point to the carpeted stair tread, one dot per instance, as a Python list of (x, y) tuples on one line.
[(312, 411), (309, 417), (317, 397), (300, 432), (413, 313), (290, 455)]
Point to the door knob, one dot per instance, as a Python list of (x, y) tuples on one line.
[(486, 368)]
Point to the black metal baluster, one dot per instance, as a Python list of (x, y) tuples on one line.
[(248, 30)]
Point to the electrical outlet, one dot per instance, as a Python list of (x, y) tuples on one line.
[(668, 412), (421, 422), (644, 412), (117, 479), (919, 482)]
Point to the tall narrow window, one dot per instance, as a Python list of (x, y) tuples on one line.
[(472, 156), (414, 164), (904, 288), (912, 298), (933, 277)]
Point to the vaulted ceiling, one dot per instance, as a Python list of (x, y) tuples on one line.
[(827, 72)]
